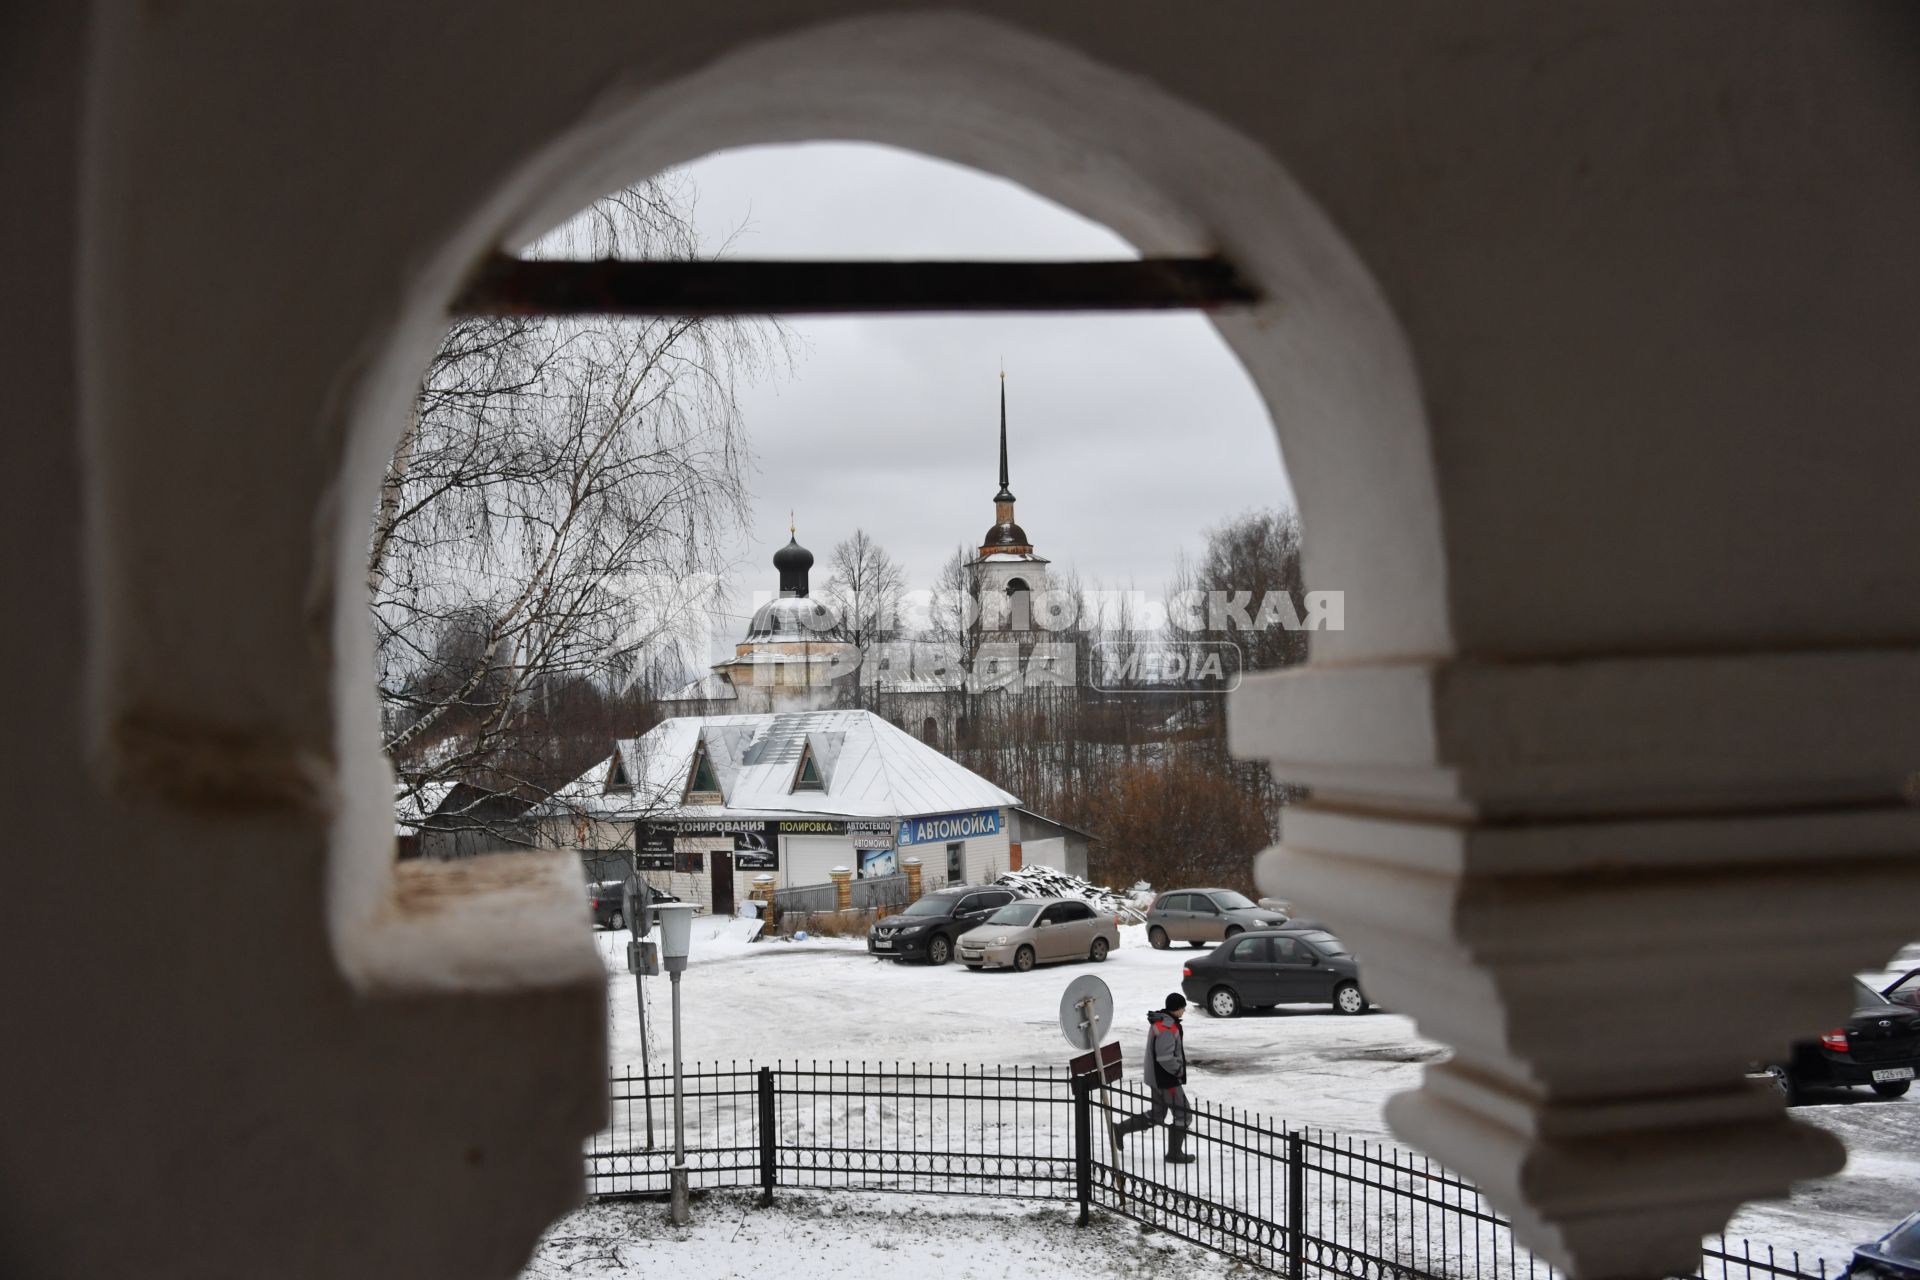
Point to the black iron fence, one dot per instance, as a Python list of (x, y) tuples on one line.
[(1289, 1201)]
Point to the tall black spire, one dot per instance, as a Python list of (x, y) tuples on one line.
[(1005, 494), (1005, 534)]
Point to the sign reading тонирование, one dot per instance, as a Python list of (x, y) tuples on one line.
[(949, 826)]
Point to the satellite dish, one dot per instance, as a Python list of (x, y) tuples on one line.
[(1086, 1012)]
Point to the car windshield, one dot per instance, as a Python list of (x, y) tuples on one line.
[(930, 907), (1231, 901), (1021, 913), (1326, 944)]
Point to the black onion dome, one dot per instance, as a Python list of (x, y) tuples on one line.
[(1006, 535), (793, 556), (792, 561)]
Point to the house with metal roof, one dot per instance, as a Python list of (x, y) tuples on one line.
[(704, 804)]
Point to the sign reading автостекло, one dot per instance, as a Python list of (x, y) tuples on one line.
[(944, 827)]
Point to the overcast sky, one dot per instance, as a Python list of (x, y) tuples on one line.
[(1129, 435)]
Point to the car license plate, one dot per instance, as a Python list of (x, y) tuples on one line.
[(1892, 1073), (883, 944)]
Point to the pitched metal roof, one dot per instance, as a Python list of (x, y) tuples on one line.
[(870, 770)]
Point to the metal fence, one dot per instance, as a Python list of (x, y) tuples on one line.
[(805, 899), (1288, 1201), (879, 892), (873, 893)]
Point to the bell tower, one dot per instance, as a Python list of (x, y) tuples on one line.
[(1008, 578)]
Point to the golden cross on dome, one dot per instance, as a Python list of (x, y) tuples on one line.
[(793, 530)]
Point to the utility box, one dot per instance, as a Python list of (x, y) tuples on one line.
[(643, 957)]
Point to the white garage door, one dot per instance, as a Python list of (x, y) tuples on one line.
[(807, 859), (1044, 853)]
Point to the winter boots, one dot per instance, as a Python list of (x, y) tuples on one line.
[(1176, 1142)]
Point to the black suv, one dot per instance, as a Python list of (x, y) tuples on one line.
[(926, 930)]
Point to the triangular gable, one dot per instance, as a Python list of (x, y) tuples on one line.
[(702, 778), (617, 778), (823, 749), (808, 776)]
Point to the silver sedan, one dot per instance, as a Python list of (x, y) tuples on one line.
[(1024, 934)]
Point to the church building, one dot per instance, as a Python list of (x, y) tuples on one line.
[(794, 656)]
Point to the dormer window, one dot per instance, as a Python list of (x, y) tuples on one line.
[(617, 779), (702, 782), (807, 777)]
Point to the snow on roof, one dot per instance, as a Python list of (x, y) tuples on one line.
[(870, 770), (412, 806), (711, 687)]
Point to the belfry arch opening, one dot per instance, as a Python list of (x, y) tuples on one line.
[(1547, 731), (1312, 334), (1320, 347)]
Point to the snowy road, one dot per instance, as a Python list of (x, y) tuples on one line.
[(825, 999)]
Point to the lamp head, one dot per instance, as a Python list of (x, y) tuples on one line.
[(676, 928)]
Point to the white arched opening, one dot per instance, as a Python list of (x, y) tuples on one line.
[(1324, 350), (1486, 820)]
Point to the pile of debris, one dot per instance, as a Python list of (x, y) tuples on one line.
[(1045, 882)]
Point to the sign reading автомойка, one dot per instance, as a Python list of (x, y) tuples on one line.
[(943, 827)]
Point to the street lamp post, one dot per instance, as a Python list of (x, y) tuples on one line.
[(676, 937)]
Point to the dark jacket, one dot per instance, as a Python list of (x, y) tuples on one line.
[(1166, 1051)]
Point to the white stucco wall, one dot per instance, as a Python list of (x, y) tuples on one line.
[(1632, 612)]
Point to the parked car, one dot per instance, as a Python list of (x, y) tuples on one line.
[(1265, 967), (1879, 1047), (1894, 1256), (926, 930), (1200, 916), (1034, 931), (1905, 990), (608, 903)]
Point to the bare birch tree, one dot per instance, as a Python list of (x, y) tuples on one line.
[(867, 586), (549, 514)]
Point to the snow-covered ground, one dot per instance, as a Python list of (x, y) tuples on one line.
[(807, 1236), (824, 999)]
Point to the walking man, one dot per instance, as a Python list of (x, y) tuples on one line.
[(1166, 1073)]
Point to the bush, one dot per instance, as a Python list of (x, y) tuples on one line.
[(827, 924)]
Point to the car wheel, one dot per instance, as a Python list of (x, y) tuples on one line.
[(1348, 999), (939, 951), (1098, 951), (1222, 1002), (1892, 1088), (1023, 959), (1235, 931), (1783, 1084), (1158, 937), (617, 921)]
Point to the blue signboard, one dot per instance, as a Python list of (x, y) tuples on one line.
[(945, 827)]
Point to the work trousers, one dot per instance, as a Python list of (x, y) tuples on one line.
[(1165, 1101)]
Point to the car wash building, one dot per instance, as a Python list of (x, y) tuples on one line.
[(705, 804)]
